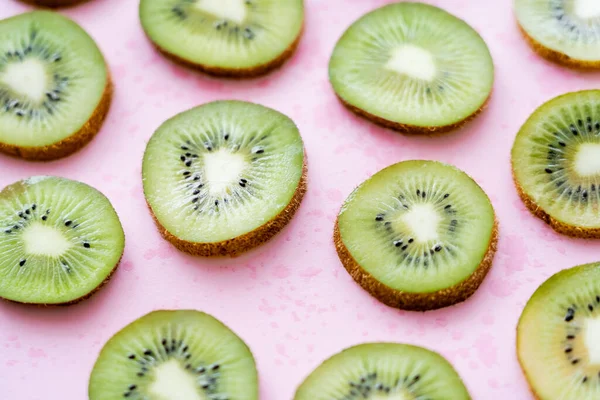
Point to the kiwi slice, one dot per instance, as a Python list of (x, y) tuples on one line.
[(378, 371), (557, 336), (60, 241), (412, 67), (556, 163), (175, 355), (417, 235), (563, 31), (225, 37), (224, 177), (54, 86), (54, 3)]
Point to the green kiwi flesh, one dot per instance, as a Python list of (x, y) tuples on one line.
[(54, 86), (59, 240), (413, 67), (556, 163), (183, 355), (229, 37), (565, 31), (384, 371), (216, 175), (417, 235), (557, 336)]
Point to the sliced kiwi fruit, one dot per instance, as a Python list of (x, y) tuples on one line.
[(412, 67), (378, 371), (558, 336), (60, 241), (563, 31), (224, 177), (174, 355), (556, 163), (54, 86), (417, 235), (225, 37)]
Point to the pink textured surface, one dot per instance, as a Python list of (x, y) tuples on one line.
[(291, 300)]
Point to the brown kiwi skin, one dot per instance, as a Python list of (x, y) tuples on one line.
[(413, 129), (557, 57), (243, 243), (54, 3), (70, 144), (416, 301), (558, 226), (251, 72)]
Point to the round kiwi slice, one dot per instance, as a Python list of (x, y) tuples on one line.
[(412, 67), (175, 355), (60, 241), (378, 371), (54, 86), (556, 163), (417, 235), (557, 336), (224, 177), (563, 31), (225, 37)]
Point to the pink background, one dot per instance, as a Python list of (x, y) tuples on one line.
[(291, 300)]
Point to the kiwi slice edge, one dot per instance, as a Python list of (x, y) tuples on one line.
[(383, 369), (436, 295), (67, 142), (552, 318), (54, 3)]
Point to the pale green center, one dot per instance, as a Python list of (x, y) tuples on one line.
[(45, 240), (27, 78), (423, 221), (587, 160), (392, 396), (591, 340), (586, 9), (231, 10), (413, 61), (172, 382), (222, 169)]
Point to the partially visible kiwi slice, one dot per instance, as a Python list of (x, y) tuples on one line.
[(412, 67), (558, 336), (564, 31), (175, 355), (54, 3), (384, 371), (60, 240), (54, 86), (556, 163), (417, 235), (225, 37), (224, 177)]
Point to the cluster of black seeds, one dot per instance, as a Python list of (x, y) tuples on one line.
[(21, 106), (368, 385), (571, 24), (206, 375), (183, 10)]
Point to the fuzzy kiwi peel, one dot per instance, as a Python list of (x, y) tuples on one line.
[(418, 235), (557, 336), (53, 98)]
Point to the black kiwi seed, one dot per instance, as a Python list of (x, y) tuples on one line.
[(86, 245), (132, 387), (575, 361), (188, 164), (182, 158), (44, 218), (548, 170), (379, 217), (568, 350), (397, 243), (570, 337), (563, 144), (590, 307), (411, 240), (68, 223), (148, 352), (405, 247), (418, 192), (570, 315), (438, 248), (22, 262), (584, 380), (131, 356)]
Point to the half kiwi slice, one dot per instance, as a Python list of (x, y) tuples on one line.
[(557, 336), (224, 177), (169, 355), (412, 67), (564, 31), (54, 86), (378, 371), (60, 241), (225, 37), (556, 163), (417, 235)]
